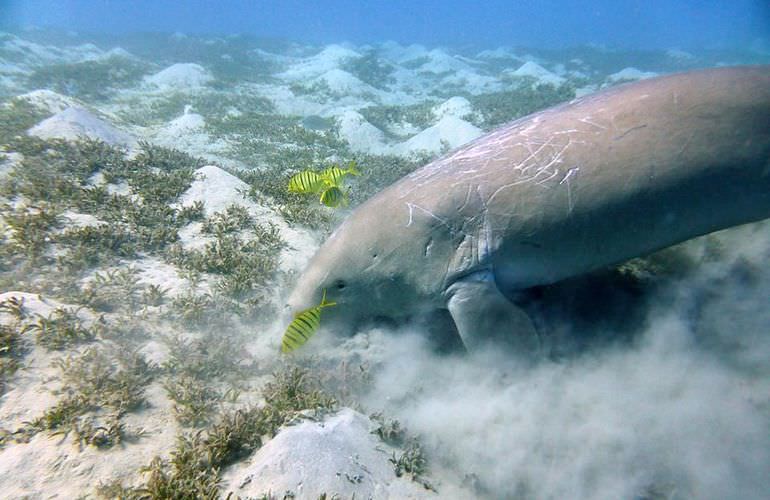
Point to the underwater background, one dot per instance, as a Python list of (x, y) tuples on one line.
[(547, 23), (149, 239)]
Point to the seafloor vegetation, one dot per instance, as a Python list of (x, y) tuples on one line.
[(85, 224)]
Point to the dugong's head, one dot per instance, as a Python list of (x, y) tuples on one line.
[(373, 266)]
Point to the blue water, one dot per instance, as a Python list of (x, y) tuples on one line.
[(687, 24)]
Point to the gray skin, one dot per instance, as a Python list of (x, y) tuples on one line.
[(559, 193)]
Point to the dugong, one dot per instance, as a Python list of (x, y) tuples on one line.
[(576, 187)]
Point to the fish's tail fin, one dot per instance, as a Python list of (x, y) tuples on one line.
[(352, 169), (324, 303)]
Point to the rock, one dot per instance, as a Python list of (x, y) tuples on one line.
[(339, 456)]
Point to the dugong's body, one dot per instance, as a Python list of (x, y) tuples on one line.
[(559, 193)]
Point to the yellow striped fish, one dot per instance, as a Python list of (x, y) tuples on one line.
[(334, 197), (303, 326), (334, 174), (306, 181)]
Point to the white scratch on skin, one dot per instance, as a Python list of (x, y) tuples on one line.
[(532, 168), (467, 198), (589, 122), (543, 181), (537, 159), (533, 154), (491, 198), (567, 176), (412, 206)]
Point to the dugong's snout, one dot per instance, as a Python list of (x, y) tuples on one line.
[(298, 301)]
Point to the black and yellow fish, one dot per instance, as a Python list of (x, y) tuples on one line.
[(306, 181), (329, 184), (303, 326), (334, 174), (334, 197)]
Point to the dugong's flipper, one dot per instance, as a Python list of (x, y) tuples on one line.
[(482, 313)]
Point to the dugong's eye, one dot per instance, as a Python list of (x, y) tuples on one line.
[(340, 285)]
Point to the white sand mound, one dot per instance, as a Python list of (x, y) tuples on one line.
[(187, 132), (440, 62), (31, 54), (84, 52), (471, 81), (403, 129), (286, 102), (119, 52), (630, 74), (679, 55), (450, 132), (410, 85), (399, 54), (539, 73), (272, 56), (360, 134), (339, 456), (331, 57), (457, 106), (342, 83), (217, 190), (498, 53), (585, 90), (74, 123), (180, 127), (180, 76), (49, 100)]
